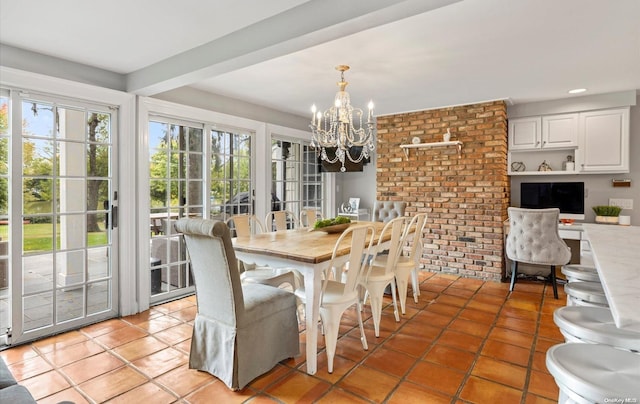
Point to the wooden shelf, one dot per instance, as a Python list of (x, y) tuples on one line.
[(407, 147)]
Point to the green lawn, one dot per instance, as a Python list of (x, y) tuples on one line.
[(38, 237)]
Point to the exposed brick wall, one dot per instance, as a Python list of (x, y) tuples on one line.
[(466, 197)]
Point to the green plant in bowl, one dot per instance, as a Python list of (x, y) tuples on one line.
[(607, 214), (331, 222)]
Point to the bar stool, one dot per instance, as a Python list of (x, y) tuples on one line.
[(594, 325), (593, 373), (580, 273), (585, 294)]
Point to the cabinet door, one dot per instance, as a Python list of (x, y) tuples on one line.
[(560, 131), (604, 141), (524, 133)]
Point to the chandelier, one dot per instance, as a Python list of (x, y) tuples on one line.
[(340, 128)]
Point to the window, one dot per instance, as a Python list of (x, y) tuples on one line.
[(296, 180), (231, 174)]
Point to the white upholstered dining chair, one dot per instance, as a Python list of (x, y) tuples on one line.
[(241, 331), (337, 296), (534, 239)]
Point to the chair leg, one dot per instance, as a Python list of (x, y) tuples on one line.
[(331, 324), (375, 292), (416, 285), (402, 283), (514, 274), (363, 336), (395, 301), (553, 281)]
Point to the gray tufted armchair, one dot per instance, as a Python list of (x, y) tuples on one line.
[(383, 211), (534, 239)]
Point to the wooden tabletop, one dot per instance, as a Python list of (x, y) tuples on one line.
[(300, 244)]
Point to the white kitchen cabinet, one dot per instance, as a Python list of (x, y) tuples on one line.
[(560, 131), (604, 141), (525, 133), (598, 142), (546, 132)]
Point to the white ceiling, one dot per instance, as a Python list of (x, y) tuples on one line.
[(405, 55)]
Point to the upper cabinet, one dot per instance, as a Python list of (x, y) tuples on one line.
[(560, 131), (525, 133), (604, 141), (546, 132), (597, 141)]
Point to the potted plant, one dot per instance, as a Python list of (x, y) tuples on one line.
[(607, 214)]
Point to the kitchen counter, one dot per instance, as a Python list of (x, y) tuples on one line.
[(616, 254)]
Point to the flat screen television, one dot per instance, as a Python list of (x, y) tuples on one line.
[(567, 196)]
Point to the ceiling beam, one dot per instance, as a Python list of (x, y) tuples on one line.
[(309, 24)]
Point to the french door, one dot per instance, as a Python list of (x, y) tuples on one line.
[(176, 159), (60, 221)]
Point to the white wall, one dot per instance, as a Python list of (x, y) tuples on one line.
[(358, 185), (598, 187)]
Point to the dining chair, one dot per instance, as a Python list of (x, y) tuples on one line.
[(281, 220), (379, 276), (244, 226), (534, 239), (241, 331), (383, 211), (409, 259), (337, 296), (308, 217)]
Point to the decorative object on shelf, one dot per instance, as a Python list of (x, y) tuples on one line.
[(569, 165), (518, 166), (355, 204), (621, 183), (607, 214), (447, 136), (544, 166), (415, 140), (345, 207), (341, 127)]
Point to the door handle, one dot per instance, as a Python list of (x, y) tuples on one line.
[(114, 217)]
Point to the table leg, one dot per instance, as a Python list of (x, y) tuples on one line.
[(312, 285)]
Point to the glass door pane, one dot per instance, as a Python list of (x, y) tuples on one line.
[(176, 189), (5, 263), (67, 272)]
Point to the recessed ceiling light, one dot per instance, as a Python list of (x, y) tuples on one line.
[(577, 90)]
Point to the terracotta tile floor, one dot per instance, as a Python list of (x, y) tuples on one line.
[(466, 341)]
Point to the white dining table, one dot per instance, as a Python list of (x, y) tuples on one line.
[(307, 251), (616, 255)]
